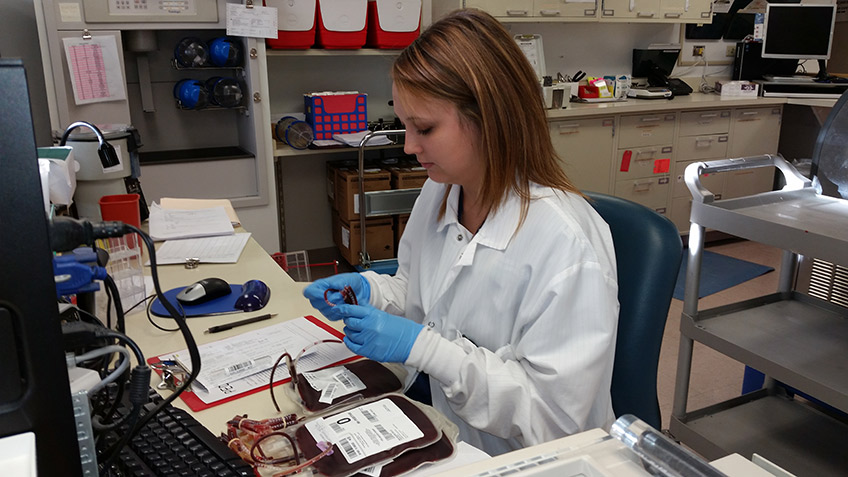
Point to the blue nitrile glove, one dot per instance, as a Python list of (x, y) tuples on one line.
[(378, 335), (315, 292)]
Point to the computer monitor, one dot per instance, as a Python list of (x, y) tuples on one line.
[(798, 31), (35, 393), (656, 64)]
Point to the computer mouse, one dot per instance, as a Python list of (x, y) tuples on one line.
[(204, 290)]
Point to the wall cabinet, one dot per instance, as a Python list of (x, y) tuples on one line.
[(657, 10), (663, 11)]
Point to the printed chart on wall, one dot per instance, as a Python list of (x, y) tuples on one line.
[(95, 69)]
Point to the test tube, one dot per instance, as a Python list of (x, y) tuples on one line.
[(658, 451)]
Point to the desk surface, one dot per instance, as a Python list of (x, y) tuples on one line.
[(286, 300), (692, 101)]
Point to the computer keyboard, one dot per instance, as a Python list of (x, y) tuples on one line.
[(173, 443)]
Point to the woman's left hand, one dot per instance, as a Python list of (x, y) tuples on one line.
[(378, 335)]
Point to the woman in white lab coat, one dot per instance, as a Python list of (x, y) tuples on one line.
[(505, 293)]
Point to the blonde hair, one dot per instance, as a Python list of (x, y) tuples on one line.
[(470, 60)]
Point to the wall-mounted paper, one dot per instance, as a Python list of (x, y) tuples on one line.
[(95, 69)]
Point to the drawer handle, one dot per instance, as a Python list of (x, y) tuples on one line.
[(645, 14), (642, 186), (650, 119), (703, 142), (517, 13), (650, 153), (549, 13), (750, 113), (709, 115), (673, 15), (569, 126)]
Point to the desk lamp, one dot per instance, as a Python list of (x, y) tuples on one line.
[(106, 152)]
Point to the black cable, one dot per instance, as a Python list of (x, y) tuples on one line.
[(115, 295), (139, 303), (150, 319), (138, 396), (191, 344)]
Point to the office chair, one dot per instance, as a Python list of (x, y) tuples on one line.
[(648, 251)]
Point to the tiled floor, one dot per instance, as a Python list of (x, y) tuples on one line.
[(714, 377)]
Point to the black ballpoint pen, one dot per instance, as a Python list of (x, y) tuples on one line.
[(247, 321)]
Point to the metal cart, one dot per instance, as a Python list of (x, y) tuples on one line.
[(379, 204), (798, 341)]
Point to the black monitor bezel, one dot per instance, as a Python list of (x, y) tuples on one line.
[(800, 56)]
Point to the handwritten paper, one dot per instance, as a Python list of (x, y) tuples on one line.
[(168, 224), (194, 204), (221, 249), (95, 69), (255, 21)]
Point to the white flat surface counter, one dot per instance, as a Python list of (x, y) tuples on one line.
[(692, 101)]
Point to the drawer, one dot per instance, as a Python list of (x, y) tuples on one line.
[(646, 130), (702, 147), (652, 192), (693, 123), (681, 210), (713, 182), (643, 162)]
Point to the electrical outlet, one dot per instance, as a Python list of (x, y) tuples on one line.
[(731, 51), (698, 50)]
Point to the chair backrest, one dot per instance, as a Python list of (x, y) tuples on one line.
[(648, 251)]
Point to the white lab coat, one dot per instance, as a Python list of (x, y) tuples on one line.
[(520, 327)]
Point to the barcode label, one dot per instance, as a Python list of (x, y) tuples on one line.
[(370, 415), (384, 433), (345, 381), (366, 430), (238, 367), (351, 452)]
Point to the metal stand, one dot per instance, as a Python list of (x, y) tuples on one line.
[(379, 203)]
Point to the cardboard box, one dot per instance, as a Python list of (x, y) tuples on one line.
[(379, 237), (408, 177), (399, 227), (346, 187)]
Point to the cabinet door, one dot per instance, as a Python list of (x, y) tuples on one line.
[(646, 9), (686, 10), (564, 8), (503, 8), (647, 130), (652, 192), (585, 148), (753, 131), (639, 162)]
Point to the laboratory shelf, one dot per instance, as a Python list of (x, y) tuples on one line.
[(798, 220), (789, 433), (282, 150), (796, 339), (322, 52)]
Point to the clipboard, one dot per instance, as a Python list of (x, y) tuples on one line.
[(196, 404)]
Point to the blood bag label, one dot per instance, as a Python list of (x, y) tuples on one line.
[(366, 430)]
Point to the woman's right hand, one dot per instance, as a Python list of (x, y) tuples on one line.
[(318, 295)]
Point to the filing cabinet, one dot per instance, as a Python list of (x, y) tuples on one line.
[(585, 149), (702, 135), (755, 131), (643, 159)]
